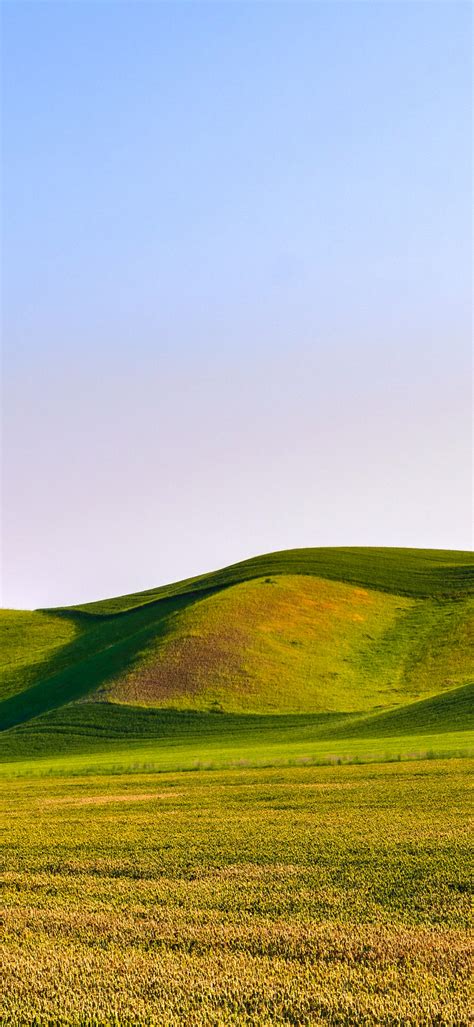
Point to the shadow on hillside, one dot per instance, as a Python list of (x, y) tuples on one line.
[(105, 646)]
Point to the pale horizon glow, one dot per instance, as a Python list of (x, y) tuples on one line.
[(236, 286)]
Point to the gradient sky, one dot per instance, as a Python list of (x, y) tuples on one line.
[(236, 284)]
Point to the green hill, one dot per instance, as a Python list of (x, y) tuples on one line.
[(298, 644), (367, 642)]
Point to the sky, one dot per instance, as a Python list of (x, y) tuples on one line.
[(236, 285)]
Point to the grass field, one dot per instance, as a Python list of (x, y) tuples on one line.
[(298, 895), (242, 798)]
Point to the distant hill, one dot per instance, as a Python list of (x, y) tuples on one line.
[(361, 634)]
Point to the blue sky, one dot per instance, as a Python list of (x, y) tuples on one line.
[(236, 285)]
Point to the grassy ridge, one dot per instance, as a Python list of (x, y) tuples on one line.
[(411, 572), (451, 711)]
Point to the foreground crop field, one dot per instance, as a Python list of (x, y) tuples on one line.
[(296, 895)]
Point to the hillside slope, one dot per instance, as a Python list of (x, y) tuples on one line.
[(299, 644), (341, 631)]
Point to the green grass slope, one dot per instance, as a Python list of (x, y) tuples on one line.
[(309, 641), (27, 641), (299, 644), (121, 737), (100, 648)]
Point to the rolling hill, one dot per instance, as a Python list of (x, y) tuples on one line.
[(305, 646)]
